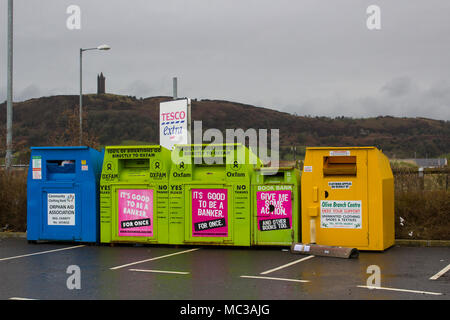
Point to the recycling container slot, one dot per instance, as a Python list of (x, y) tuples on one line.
[(134, 163), (214, 165), (60, 169), (133, 168), (269, 176), (279, 174), (204, 171), (339, 165)]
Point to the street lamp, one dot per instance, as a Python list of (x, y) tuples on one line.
[(103, 47), (9, 80)]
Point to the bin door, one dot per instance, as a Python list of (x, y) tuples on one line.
[(61, 213), (209, 215), (134, 216), (343, 214), (274, 222)]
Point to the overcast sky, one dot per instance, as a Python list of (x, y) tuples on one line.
[(314, 57)]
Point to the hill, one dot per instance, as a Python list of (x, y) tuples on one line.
[(115, 119)]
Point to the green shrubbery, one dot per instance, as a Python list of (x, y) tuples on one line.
[(422, 215), (422, 206), (13, 200)]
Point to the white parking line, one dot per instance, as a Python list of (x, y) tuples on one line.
[(401, 290), (42, 252), (271, 278), (17, 298), (440, 273), (287, 265), (152, 259), (160, 271)]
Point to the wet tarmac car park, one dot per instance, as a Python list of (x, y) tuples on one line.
[(48, 271)]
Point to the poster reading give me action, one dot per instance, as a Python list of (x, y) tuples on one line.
[(274, 210), (209, 213)]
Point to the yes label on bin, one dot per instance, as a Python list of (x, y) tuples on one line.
[(135, 212), (274, 210), (209, 213)]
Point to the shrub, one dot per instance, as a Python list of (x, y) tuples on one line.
[(13, 200), (422, 215)]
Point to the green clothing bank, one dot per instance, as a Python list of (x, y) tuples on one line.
[(197, 195), (210, 194), (134, 197)]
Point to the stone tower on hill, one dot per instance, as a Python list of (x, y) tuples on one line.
[(101, 84)]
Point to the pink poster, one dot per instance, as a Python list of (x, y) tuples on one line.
[(136, 213), (209, 213), (274, 210)]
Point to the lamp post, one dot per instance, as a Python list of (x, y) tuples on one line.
[(102, 47), (9, 103)]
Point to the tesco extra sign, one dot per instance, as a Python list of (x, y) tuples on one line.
[(174, 123), (177, 115)]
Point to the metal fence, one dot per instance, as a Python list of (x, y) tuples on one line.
[(413, 179), (16, 166)]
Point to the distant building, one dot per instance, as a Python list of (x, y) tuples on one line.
[(101, 84), (428, 163)]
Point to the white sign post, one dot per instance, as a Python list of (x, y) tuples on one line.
[(174, 123)]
